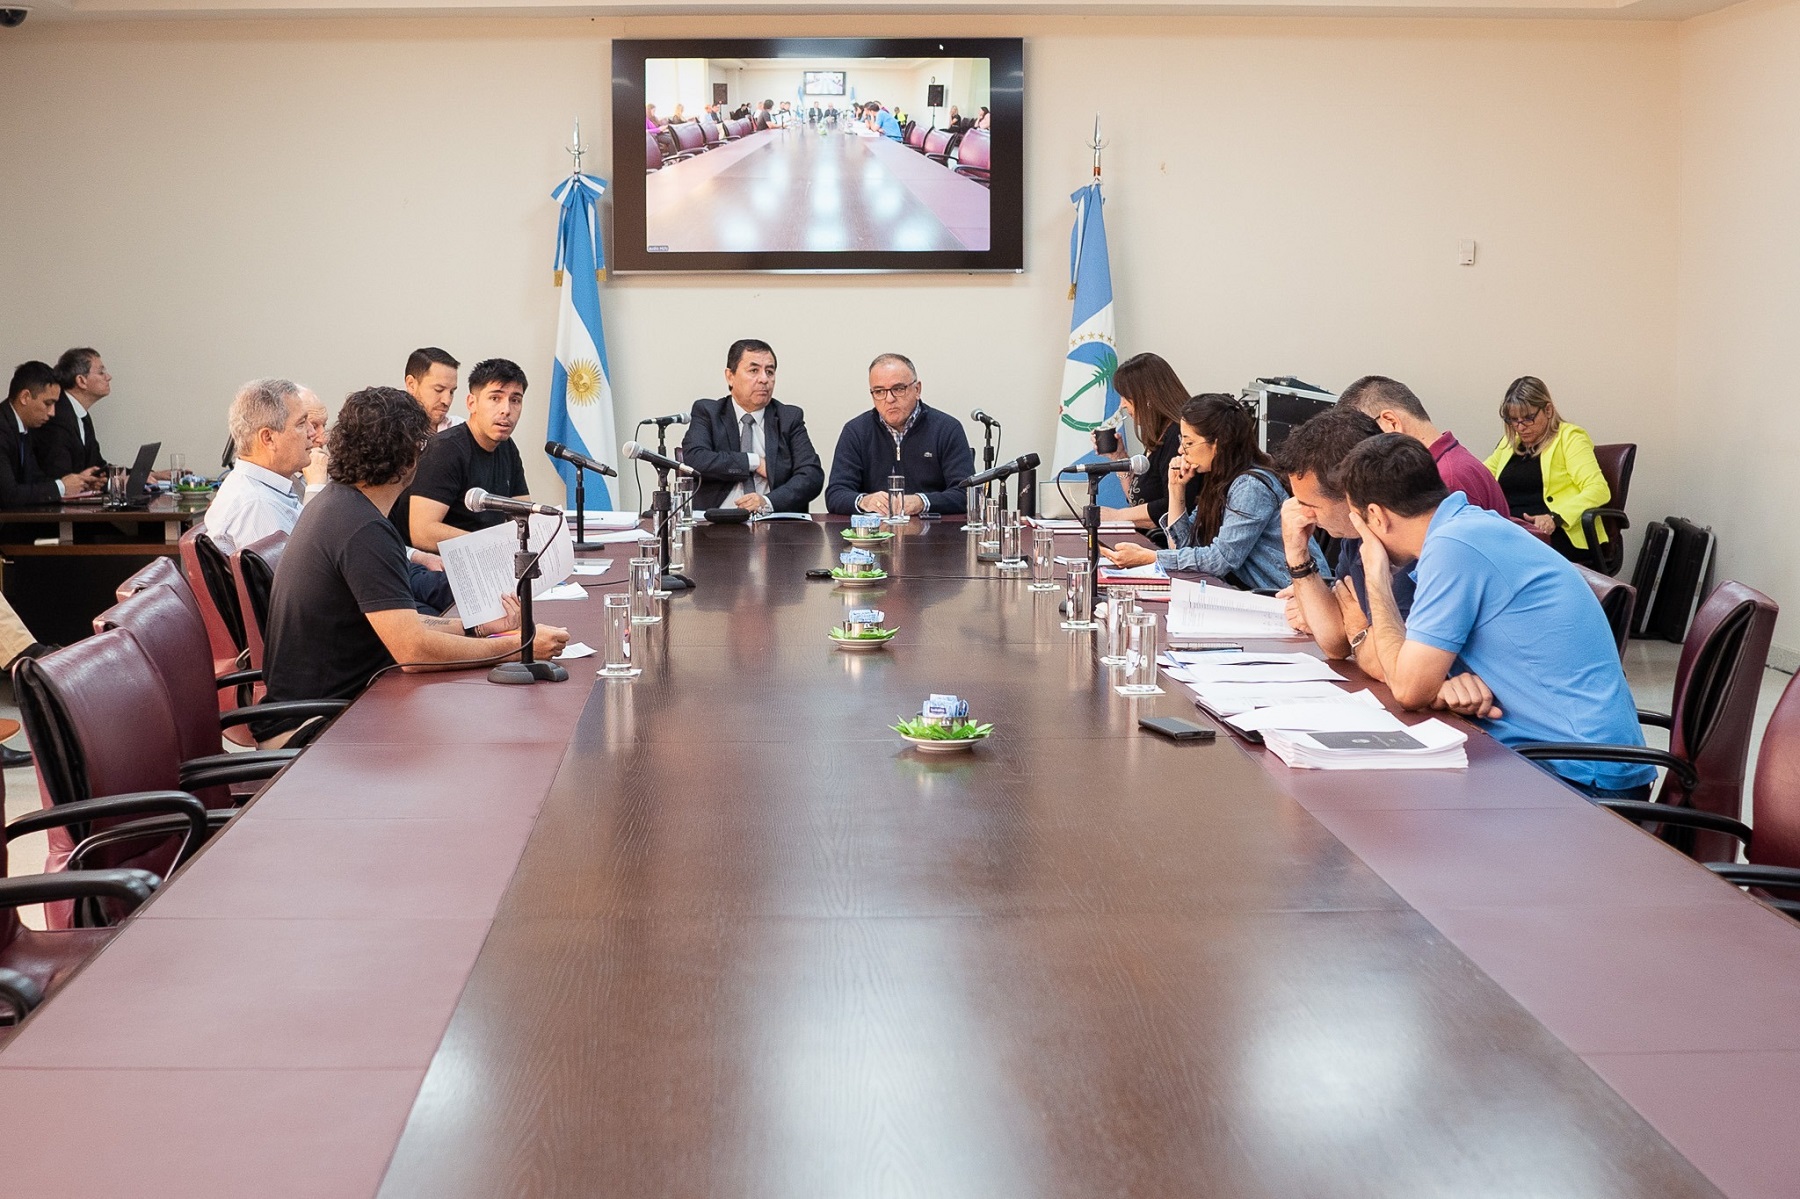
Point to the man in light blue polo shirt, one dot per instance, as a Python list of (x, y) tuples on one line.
[(1502, 628), (882, 121)]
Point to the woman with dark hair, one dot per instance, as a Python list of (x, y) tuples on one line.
[(1233, 530), (1151, 397), (1546, 467)]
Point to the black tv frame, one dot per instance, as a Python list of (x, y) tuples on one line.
[(1006, 211)]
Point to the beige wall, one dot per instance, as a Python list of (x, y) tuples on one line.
[(211, 201), (1739, 375)]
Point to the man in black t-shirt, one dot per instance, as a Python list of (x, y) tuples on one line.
[(342, 608), (480, 454)]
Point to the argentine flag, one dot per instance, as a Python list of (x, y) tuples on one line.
[(581, 402), (1088, 398)]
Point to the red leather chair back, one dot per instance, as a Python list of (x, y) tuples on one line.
[(209, 577), (937, 142), (1616, 600), (1616, 463), (915, 136), (740, 127), (100, 722), (1776, 802), (974, 154), (1716, 685), (689, 137), (174, 640), (160, 572), (652, 153), (253, 571), (714, 136)]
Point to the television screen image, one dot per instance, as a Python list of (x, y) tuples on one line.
[(825, 155)]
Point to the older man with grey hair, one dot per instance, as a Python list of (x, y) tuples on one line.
[(271, 436)]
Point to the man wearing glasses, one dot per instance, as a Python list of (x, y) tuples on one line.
[(899, 435)]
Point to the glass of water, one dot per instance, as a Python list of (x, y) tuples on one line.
[(616, 609), (990, 524), (897, 499), (1043, 561), (651, 547), (971, 510), (1140, 655), (678, 546), (643, 591), (1080, 589), (1012, 536), (177, 467), (685, 486), (1121, 603)]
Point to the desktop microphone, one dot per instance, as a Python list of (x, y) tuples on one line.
[(663, 422), (633, 450), (476, 499), (984, 418), (1004, 470), (557, 449), (1137, 464)]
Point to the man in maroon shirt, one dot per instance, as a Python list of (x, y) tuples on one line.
[(1397, 410)]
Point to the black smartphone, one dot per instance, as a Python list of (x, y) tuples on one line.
[(818, 572), (1175, 729)]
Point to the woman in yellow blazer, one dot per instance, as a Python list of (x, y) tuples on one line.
[(1546, 467)]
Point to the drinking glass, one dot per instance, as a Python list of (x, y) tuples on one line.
[(971, 510), (617, 611), (1080, 589), (643, 591), (651, 547), (990, 524), (685, 486), (1012, 555), (1121, 603), (897, 499), (1043, 561), (177, 467), (1140, 655), (678, 538), (118, 479)]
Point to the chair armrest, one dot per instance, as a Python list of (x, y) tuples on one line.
[(1785, 877), (291, 707), (130, 886), (237, 678), (133, 803), (1614, 517), (221, 769), (19, 993), (1577, 751), (1643, 812), (1661, 720)]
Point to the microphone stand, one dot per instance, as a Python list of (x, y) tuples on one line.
[(1090, 524), (525, 567), (581, 541), (987, 447), (660, 506)]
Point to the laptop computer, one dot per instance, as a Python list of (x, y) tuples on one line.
[(137, 496)]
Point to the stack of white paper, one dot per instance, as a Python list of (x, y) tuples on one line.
[(1344, 712), (605, 519), (479, 565), (1065, 525), (1228, 699), (1198, 612), (1432, 745)]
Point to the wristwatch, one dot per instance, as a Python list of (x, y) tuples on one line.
[(1296, 573)]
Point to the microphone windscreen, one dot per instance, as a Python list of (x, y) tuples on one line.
[(632, 449), (1139, 464), (475, 499)]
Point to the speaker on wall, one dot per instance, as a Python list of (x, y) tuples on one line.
[(718, 93), (934, 95)]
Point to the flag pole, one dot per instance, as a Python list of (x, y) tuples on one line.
[(1096, 146)]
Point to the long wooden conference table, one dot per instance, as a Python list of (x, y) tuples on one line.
[(717, 932)]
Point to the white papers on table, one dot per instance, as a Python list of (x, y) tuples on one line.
[(593, 566), (1198, 611), (1148, 571), (1345, 712), (606, 519), (1228, 699), (1066, 525), (479, 565), (577, 649), (1436, 746), (1252, 669), (616, 538), (562, 591)]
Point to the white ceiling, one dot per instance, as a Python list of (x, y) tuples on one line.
[(1658, 10)]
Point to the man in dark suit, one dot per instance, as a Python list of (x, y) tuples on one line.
[(30, 399), (67, 443), (750, 448)]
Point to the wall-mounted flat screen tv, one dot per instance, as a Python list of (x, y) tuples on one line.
[(749, 162)]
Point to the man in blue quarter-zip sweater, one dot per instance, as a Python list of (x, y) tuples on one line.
[(899, 435)]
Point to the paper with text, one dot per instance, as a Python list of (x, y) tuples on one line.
[(479, 565)]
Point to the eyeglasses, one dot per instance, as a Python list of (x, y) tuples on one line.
[(897, 391), (1520, 422)]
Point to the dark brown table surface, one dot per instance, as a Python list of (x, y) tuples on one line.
[(717, 932)]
